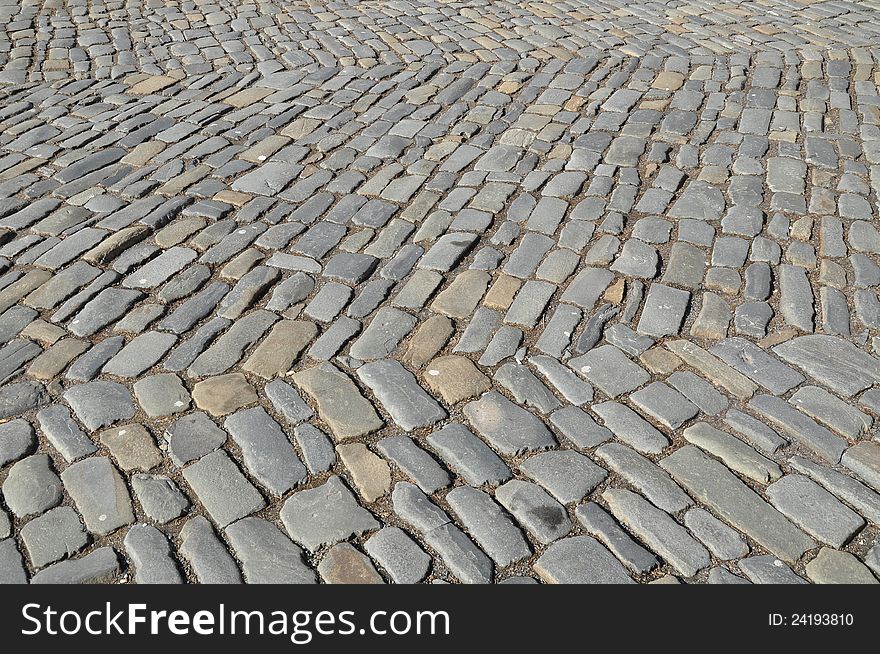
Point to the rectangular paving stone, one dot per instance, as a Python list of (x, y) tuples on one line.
[(15, 355), (108, 306), (281, 347), (415, 462), (664, 311), (227, 350), (267, 453), (713, 368), (587, 287), (664, 404), (507, 426), (610, 370), (470, 457), (852, 491), (56, 534), (541, 515), (381, 337), (735, 454), (140, 354), (815, 510), (827, 408), (602, 526), (645, 476), (340, 403), (698, 391), (101, 566), (799, 427), (580, 560), (160, 269), (64, 434), (493, 530), (325, 515), (629, 427), (864, 459), (569, 385), (719, 489), (832, 361), (222, 489), (266, 554), (658, 530), (567, 475), (398, 391), (755, 363), (529, 304)]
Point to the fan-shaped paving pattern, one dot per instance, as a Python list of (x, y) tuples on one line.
[(569, 292)]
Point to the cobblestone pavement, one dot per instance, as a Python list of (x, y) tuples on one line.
[(470, 291)]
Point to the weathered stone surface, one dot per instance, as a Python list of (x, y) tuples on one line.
[(371, 474), (382, 336), (864, 459), (100, 494), (100, 403), (267, 453), (343, 564), (833, 567), (610, 370), (532, 507), (602, 526), (31, 486), (17, 439), (735, 454), (631, 428), (399, 555), (567, 475), (224, 394), (508, 427), (132, 446), (801, 428), (159, 497), (833, 361), (594, 234), (340, 403), (150, 552), (724, 542), (19, 398), (192, 436), (101, 566), (660, 532), (580, 560), (488, 524), (718, 488), (280, 348), (161, 395), (221, 487), (399, 393), (768, 570), (644, 476), (470, 457), (63, 433), (56, 534), (325, 515), (205, 553), (814, 509), (455, 378), (267, 556), (12, 570)]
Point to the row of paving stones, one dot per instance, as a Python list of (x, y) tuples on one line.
[(48, 41), (564, 318)]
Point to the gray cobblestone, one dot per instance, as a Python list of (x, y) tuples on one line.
[(641, 232)]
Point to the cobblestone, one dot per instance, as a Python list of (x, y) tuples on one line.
[(276, 278)]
